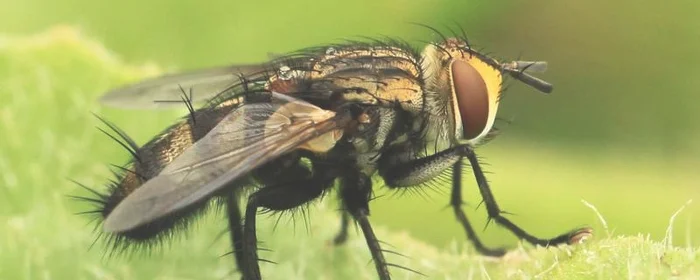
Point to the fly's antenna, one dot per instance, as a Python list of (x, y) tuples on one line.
[(519, 70), (530, 66)]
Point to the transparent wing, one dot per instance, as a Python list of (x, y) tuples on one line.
[(166, 91), (248, 137)]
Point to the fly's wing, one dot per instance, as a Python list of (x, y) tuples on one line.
[(248, 137), (166, 91)]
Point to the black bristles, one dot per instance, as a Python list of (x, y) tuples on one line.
[(124, 145), (143, 239), (121, 133), (433, 29), (125, 141), (463, 36), (97, 201), (187, 100), (91, 212), (124, 169), (83, 186), (407, 269)]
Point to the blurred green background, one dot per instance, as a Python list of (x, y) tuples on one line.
[(620, 130)]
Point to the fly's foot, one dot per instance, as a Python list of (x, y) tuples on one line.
[(340, 239), (580, 235)]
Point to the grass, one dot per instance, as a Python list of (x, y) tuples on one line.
[(49, 84)]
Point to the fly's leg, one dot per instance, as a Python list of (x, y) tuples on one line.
[(233, 213), (342, 235), (456, 203), (250, 268), (290, 191), (412, 173), (230, 199), (495, 213), (397, 174), (373, 243), (355, 193)]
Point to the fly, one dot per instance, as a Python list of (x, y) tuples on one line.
[(290, 130)]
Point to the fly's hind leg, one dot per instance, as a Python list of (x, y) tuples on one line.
[(398, 173), (230, 197), (296, 186), (233, 213)]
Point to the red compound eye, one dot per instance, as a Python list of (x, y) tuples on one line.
[(472, 98)]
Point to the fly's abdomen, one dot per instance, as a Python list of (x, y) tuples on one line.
[(147, 162)]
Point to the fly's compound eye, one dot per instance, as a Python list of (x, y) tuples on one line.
[(472, 97), (476, 86)]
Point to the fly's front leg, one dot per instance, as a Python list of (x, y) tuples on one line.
[(495, 213), (398, 173), (355, 192), (456, 203)]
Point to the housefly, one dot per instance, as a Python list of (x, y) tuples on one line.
[(287, 131)]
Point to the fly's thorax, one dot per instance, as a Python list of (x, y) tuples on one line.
[(372, 75), (287, 80), (369, 75), (464, 85), (376, 128), (340, 58)]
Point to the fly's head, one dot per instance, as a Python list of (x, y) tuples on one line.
[(469, 85)]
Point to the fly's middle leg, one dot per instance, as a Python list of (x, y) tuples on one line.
[(355, 193), (342, 235), (296, 188)]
